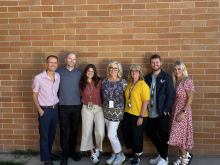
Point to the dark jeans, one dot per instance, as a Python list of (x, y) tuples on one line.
[(47, 131), (160, 142), (69, 113), (132, 133)]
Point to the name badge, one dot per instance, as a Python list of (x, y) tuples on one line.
[(90, 105), (111, 104), (128, 106)]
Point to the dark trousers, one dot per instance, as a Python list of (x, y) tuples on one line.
[(47, 131), (160, 142), (132, 133), (68, 113)]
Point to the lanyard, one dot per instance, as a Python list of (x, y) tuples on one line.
[(152, 91), (90, 92), (130, 90), (112, 89)]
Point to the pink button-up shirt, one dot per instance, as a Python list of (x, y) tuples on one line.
[(46, 89)]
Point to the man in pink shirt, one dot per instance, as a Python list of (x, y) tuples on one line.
[(46, 85)]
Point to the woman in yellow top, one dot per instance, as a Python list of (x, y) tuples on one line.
[(137, 96)]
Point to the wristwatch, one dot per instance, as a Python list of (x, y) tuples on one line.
[(141, 116), (184, 110)]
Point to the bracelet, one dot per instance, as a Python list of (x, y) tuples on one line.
[(141, 116)]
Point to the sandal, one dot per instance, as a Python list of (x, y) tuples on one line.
[(178, 161), (188, 158)]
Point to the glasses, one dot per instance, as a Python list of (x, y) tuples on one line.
[(111, 68), (90, 71), (134, 71)]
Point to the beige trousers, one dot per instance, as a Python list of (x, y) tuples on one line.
[(88, 117)]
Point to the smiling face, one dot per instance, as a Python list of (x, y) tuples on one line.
[(178, 71), (90, 73), (70, 60), (114, 70), (155, 64), (52, 64), (135, 74)]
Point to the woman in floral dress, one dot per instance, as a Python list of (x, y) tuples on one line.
[(181, 128)]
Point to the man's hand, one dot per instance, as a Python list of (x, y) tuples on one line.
[(164, 113), (41, 112), (139, 121)]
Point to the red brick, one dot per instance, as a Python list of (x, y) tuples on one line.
[(52, 26), (109, 43), (19, 20), (157, 42), (97, 1), (132, 42), (64, 8), (4, 43), (157, 30), (52, 2), (74, 13), (42, 43), (89, 54), (144, 24), (193, 47), (109, 19), (121, 36), (181, 17), (97, 25), (193, 23), (20, 43), (206, 4), (213, 47), (8, 3), (6, 131), (193, 35), (121, 25), (146, 12), (87, 7), (121, 12), (133, 6), (120, 1), (30, 14), (8, 15), (97, 13), (109, 54), (145, 36), (169, 11), (110, 31), (13, 136), (144, 48), (86, 43), (30, 38), (53, 37), (52, 14), (75, 25), (86, 31), (4, 32), (122, 48), (212, 83), (4, 121), (110, 7), (9, 49), (214, 10), (64, 20), (174, 35), (13, 126), (30, 26), (133, 30), (205, 41), (206, 29), (157, 5), (54, 49), (206, 16), (41, 8), (87, 19), (64, 31), (76, 37), (211, 95), (9, 26), (194, 11)]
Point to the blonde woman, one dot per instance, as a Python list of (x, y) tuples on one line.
[(181, 128), (113, 108)]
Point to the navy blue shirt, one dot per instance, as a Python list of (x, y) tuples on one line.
[(165, 93), (69, 86)]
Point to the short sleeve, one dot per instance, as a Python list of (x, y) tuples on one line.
[(188, 85), (125, 85), (36, 84), (145, 92)]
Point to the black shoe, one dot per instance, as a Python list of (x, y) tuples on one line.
[(131, 156), (48, 163), (54, 157), (135, 160), (74, 156), (64, 160)]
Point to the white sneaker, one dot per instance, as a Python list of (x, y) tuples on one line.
[(94, 158), (156, 160), (97, 152), (162, 162)]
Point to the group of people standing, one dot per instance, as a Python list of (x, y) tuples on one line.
[(150, 102)]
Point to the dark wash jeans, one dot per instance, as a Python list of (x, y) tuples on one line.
[(68, 113), (47, 131), (159, 123), (132, 133)]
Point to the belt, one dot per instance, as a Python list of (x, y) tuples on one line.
[(52, 106)]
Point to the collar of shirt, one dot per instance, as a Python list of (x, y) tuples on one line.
[(44, 75)]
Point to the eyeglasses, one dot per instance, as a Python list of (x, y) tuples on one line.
[(90, 71), (111, 68), (134, 71)]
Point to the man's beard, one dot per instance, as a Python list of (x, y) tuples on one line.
[(156, 69)]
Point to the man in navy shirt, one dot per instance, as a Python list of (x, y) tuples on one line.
[(69, 107), (162, 96)]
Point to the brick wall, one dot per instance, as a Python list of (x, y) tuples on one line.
[(101, 31)]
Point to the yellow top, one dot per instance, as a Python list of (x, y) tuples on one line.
[(140, 93)]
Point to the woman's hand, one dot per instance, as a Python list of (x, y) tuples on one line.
[(180, 117), (139, 121)]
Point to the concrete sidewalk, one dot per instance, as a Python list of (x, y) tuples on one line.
[(197, 160)]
